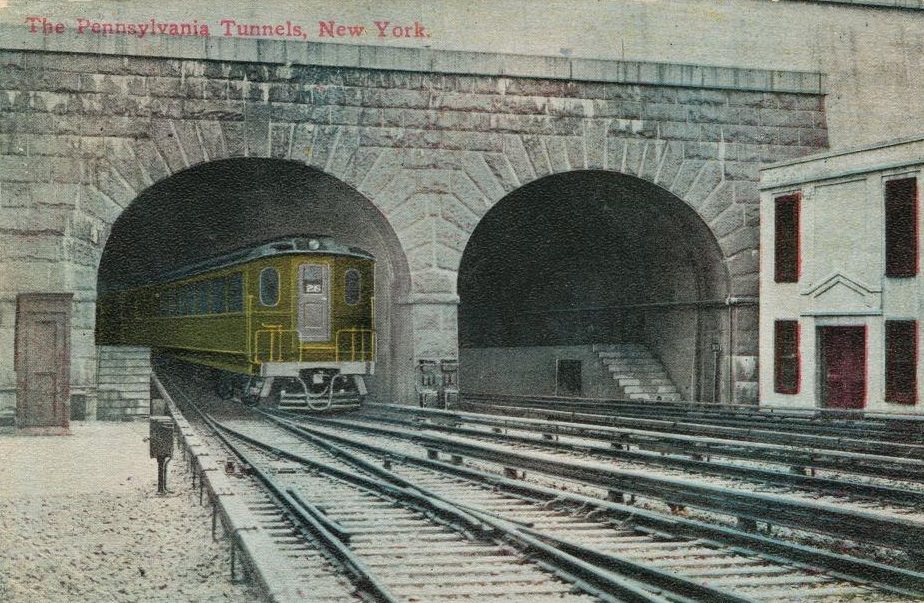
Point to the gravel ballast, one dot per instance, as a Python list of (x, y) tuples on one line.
[(80, 520)]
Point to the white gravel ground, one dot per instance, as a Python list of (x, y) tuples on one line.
[(80, 521)]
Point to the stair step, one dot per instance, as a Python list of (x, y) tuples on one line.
[(655, 397), (624, 380), (650, 389), (631, 362), (648, 370), (626, 354), (637, 371)]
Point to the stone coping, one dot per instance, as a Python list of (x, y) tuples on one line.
[(888, 155), (263, 50)]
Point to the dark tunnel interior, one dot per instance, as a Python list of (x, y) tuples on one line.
[(223, 205), (593, 257)]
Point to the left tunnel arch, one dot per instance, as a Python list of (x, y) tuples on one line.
[(221, 205)]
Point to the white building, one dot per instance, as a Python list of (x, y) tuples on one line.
[(841, 288)]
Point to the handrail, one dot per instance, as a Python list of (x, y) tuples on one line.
[(276, 335), (364, 355), (272, 330), (248, 316)]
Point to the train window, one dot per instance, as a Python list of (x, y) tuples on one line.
[(901, 361), (187, 300), (192, 299), (352, 287), (786, 356), (786, 235), (312, 278), (217, 296), (269, 287), (901, 232), (235, 293), (203, 291)]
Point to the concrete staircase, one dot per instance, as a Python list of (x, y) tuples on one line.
[(124, 383), (637, 371)]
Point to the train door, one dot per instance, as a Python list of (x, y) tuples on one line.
[(843, 366), (314, 302)]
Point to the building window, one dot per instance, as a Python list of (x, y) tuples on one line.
[(352, 287), (269, 287), (786, 357), (901, 361), (901, 232), (786, 237)]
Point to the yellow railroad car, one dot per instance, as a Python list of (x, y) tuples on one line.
[(290, 322)]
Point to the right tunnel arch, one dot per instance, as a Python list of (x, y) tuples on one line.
[(593, 257)]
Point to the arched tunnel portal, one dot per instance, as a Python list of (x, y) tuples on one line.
[(223, 205), (579, 259)]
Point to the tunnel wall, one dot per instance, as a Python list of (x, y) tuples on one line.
[(432, 138), (522, 370)]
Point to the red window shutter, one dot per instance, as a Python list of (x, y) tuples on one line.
[(786, 239), (901, 231), (901, 361), (786, 357)]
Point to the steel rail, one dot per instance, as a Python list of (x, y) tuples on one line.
[(603, 582), (660, 441), (678, 443), (661, 579), (834, 417), (898, 429), (751, 506), (818, 484), (750, 434), (888, 578)]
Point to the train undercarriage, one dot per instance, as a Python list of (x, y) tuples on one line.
[(312, 389)]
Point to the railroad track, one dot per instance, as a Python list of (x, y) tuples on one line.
[(676, 552), (402, 545), (907, 445), (886, 528), (815, 421), (289, 562), (612, 445), (572, 542), (702, 446)]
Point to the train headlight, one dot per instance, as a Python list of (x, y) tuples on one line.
[(314, 244)]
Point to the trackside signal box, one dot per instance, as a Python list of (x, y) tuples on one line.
[(437, 383), (161, 443)]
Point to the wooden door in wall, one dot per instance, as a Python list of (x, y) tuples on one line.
[(42, 360), (843, 367)]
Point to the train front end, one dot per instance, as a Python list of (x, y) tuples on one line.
[(312, 349)]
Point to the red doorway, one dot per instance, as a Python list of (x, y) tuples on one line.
[(843, 367)]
